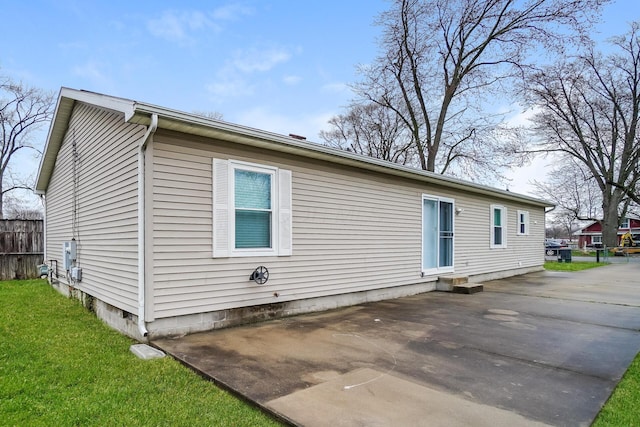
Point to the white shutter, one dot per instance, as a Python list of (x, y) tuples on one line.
[(284, 213), (220, 208)]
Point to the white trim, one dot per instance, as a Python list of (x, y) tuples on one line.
[(140, 112), (503, 225), (224, 238), (272, 172), (520, 223), (220, 198), (285, 215), (437, 269)]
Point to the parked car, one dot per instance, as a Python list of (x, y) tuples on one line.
[(551, 246)]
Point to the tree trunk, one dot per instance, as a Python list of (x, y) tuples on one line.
[(610, 222), (1, 198)]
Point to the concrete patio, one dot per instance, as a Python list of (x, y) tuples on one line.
[(545, 348)]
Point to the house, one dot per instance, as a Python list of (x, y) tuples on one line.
[(166, 223), (591, 235)]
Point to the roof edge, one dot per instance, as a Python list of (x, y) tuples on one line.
[(203, 126), (60, 122), (140, 113)]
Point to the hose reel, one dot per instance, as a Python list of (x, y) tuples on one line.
[(260, 275)]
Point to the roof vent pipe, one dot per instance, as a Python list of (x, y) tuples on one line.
[(153, 126)]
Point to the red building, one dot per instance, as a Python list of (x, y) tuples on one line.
[(591, 235)]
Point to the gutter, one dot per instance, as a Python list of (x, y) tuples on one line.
[(216, 129), (142, 224)]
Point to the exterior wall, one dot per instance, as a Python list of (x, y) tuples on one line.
[(106, 205), (353, 232), (586, 234)]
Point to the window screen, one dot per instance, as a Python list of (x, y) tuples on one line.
[(253, 209)]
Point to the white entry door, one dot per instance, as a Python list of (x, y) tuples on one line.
[(437, 234)]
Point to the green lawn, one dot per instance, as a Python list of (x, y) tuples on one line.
[(60, 365), (623, 407), (572, 266)]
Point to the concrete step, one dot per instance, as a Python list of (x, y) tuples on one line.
[(446, 283), (468, 288)]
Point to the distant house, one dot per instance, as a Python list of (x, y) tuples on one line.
[(170, 223), (591, 235)]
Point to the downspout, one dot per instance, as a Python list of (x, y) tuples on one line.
[(142, 224), (43, 198)]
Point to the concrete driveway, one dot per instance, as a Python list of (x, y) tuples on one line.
[(540, 349)]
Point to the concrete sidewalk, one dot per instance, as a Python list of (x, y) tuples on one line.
[(541, 349)]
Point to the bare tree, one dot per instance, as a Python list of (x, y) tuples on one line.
[(19, 208), (371, 130), (23, 110), (443, 61), (573, 190), (589, 112), (562, 225)]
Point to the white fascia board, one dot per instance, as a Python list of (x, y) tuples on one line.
[(121, 105), (58, 127), (202, 126), (140, 113)]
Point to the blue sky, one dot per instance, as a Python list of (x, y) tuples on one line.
[(282, 66)]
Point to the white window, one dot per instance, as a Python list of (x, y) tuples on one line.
[(625, 223), (251, 210), (437, 234), (596, 240), (523, 223), (498, 227)]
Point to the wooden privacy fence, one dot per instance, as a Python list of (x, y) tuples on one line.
[(21, 248)]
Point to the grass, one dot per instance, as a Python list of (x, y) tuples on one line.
[(623, 407), (571, 266), (60, 365)]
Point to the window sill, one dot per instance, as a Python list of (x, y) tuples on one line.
[(253, 253), (437, 271)]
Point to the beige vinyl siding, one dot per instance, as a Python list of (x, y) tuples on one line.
[(473, 254), (352, 231), (106, 232)]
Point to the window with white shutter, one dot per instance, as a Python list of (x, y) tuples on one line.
[(251, 210)]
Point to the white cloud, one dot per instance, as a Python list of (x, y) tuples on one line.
[(257, 59), (336, 87), (231, 12), (308, 125), (291, 80), (177, 26), (522, 118), (521, 179), (92, 71), (233, 78), (228, 86)]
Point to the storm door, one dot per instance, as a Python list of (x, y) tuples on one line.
[(437, 234)]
